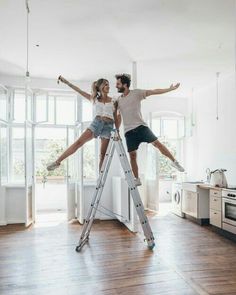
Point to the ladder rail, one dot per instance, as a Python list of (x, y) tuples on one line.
[(135, 195), (115, 143), (99, 192), (138, 200), (92, 209)]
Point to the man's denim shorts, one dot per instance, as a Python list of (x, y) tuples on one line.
[(101, 128), (138, 135)]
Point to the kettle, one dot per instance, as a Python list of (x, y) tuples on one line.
[(217, 177)]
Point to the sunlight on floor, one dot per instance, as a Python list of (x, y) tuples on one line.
[(164, 209), (50, 218)]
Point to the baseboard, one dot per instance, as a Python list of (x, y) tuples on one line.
[(152, 206), (15, 221), (2, 223)]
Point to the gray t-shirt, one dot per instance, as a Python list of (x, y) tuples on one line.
[(130, 109)]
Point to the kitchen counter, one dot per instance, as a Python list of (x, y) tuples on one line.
[(208, 186)]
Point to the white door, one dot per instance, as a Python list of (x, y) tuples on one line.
[(71, 176), (29, 174), (3, 169), (79, 179), (74, 178), (3, 104)]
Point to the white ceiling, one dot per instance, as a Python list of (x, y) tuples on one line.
[(184, 40)]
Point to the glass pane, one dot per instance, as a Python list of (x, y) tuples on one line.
[(230, 211), (19, 106), (29, 105), (71, 160), (3, 104), (89, 169), (165, 168), (41, 107), (49, 144), (87, 110), (170, 128), (151, 170), (18, 169), (66, 110), (51, 110), (156, 127), (29, 159), (4, 153), (181, 127)]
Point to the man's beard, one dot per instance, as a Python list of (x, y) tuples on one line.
[(121, 90)]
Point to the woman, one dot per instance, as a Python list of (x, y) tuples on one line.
[(101, 125)]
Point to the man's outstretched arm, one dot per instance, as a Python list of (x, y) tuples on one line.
[(161, 91)]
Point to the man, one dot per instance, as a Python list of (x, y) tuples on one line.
[(135, 128)]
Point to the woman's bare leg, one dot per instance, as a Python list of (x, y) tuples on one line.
[(103, 149), (85, 136)]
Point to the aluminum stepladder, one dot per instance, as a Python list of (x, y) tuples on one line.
[(115, 143)]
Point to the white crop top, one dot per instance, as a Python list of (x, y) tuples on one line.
[(104, 109)]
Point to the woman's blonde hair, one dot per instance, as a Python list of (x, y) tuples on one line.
[(97, 87)]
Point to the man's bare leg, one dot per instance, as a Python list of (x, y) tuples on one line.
[(163, 149), (133, 162)]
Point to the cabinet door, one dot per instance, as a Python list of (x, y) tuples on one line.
[(215, 203), (190, 203), (215, 218)]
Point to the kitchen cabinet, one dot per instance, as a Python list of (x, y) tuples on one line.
[(215, 207), (195, 202)]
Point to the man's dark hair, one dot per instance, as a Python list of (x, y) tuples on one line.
[(124, 78)]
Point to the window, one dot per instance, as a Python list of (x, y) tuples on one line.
[(18, 168), (3, 104), (170, 132), (156, 126), (66, 110), (89, 162), (3, 153), (19, 106), (87, 110), (29, 99), (49, 144), (170, 128), (41, 107)]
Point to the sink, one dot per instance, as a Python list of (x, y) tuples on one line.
[(194, 182)]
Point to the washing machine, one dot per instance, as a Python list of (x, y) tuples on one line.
[(177, 199)]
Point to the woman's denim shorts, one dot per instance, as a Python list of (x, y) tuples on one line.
[(101, 128)]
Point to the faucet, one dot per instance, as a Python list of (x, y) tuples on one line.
[(208, 172)]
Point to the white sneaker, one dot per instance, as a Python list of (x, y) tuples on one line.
[(52, 166), (177, 166), (137, 181)]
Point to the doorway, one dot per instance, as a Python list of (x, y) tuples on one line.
[(170, 129), (50, 187)]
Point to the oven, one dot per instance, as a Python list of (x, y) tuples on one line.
[(229, 210)]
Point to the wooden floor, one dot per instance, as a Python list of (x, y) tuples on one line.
[(187, 260)]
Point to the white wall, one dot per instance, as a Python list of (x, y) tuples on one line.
[(213, 143)]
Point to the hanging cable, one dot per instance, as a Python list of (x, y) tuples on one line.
[(217, 95), (27, 38)]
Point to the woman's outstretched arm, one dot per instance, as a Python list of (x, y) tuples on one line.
[(76, 88)]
